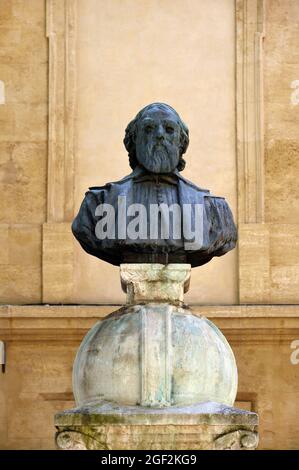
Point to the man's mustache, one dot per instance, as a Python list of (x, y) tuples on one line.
[(158, 146)]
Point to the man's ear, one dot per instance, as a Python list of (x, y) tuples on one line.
[(133, 131), (184, 141)]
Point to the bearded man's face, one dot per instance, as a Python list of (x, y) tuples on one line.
[(158, 140)]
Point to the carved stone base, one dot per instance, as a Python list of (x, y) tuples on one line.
[(153, 351), (203, 426)]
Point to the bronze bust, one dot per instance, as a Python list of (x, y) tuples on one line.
[(176, 221)]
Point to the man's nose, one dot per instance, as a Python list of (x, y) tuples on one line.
[(160, 133)]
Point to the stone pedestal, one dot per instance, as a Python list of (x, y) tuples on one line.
[(198, 427), (154, 376)]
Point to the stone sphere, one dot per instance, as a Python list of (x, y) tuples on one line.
[(154, 355)]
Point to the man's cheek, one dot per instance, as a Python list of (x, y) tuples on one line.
[(173, 139)]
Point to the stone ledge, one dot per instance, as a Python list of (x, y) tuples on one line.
[(99, 311), (202, 413), (196, 427), (250, 323)]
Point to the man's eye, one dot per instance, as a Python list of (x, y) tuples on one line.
[(169, 129)]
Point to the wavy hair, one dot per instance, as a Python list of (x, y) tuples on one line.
[(131, 130)]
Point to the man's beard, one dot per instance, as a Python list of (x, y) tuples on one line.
[(159, 158)]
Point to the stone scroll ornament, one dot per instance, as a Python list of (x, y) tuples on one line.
[(152, 375)]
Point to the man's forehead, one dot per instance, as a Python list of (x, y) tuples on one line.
[(160, 113)]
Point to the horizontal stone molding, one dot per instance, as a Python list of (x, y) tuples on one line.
[(253, 324)]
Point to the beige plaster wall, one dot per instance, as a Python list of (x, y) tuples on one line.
[(181, 53)]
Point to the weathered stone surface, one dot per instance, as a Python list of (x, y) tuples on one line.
[(22, 182), (281, 113), (143, 282), (42, 341), (154, 351), (23, 148), (20, 263), (202, 426), (58, 263), (209, 412), (156, 355), (268, 270)]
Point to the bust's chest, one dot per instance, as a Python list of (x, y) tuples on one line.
[(147, 193)]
